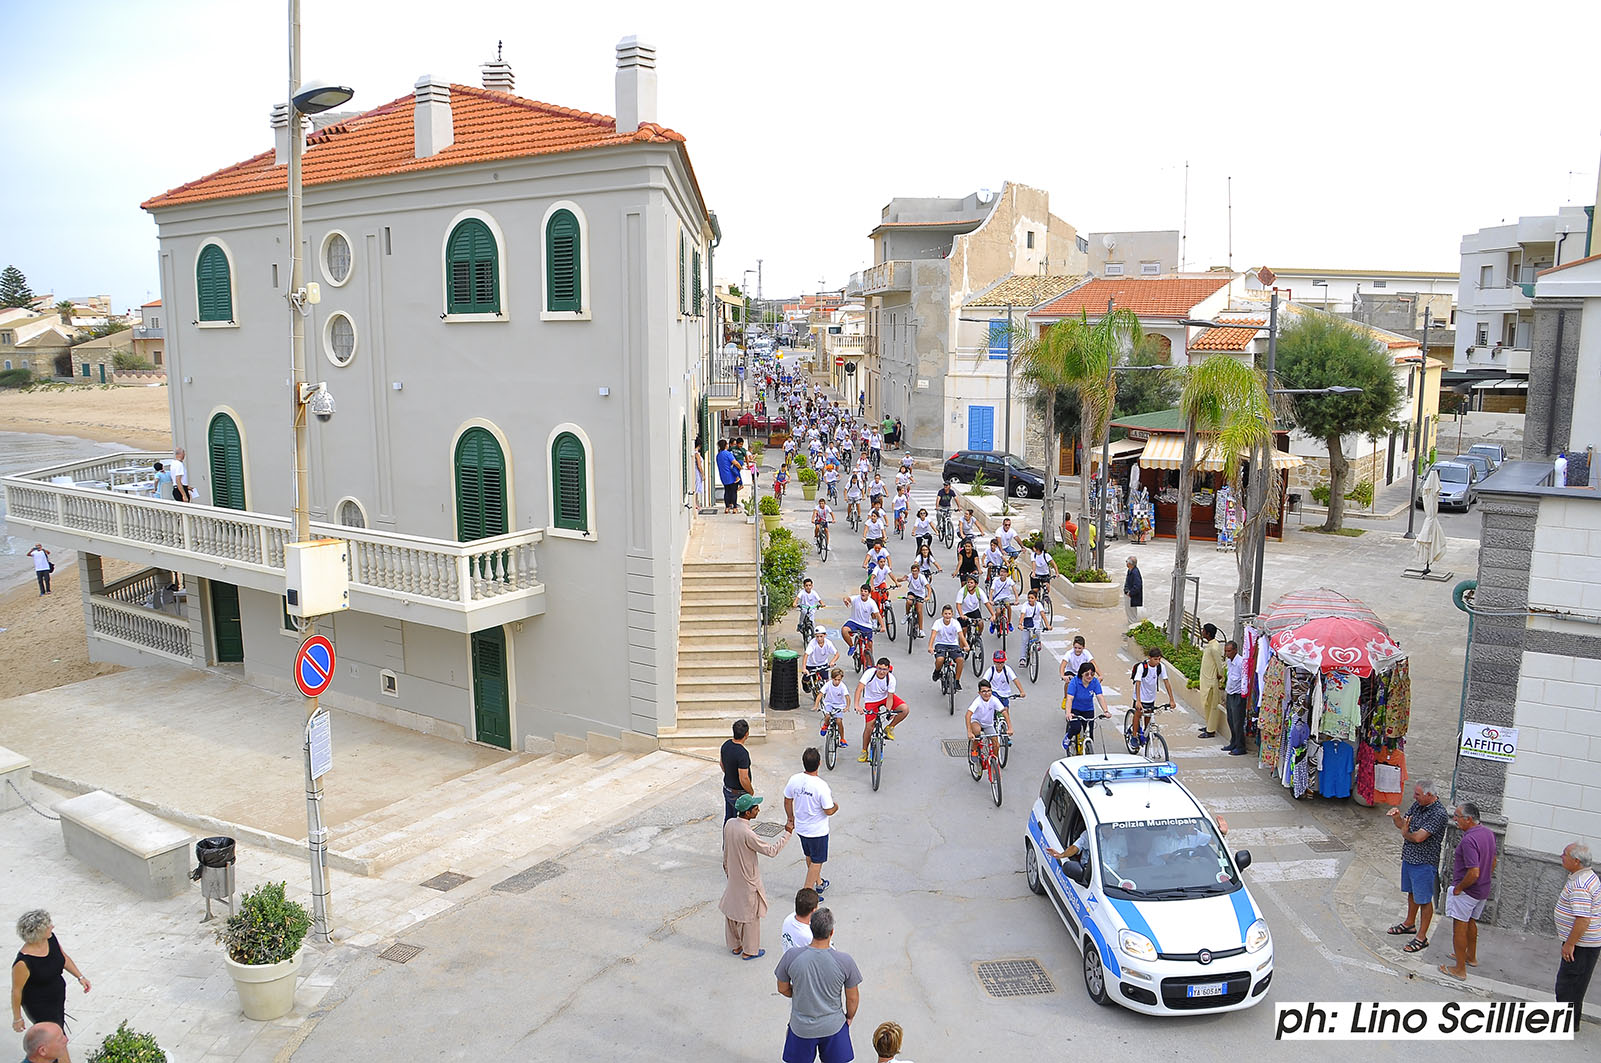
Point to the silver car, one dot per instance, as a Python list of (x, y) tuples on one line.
[(1478, 461), (1495, 453), (1459, 485)]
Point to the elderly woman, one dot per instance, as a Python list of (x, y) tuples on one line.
[(38, 989)]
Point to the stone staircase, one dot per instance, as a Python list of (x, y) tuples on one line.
[(509, 811), (718, 678)]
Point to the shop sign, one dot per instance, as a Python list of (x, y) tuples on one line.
[(1484, 742)]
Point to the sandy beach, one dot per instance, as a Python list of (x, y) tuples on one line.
[(138, 417), (43, 636)]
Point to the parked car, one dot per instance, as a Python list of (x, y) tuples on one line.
[(1495, 452), (1478, 461), (1027, 481), (1459, 485)]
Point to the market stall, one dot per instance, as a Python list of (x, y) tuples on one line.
[(1333, 700)]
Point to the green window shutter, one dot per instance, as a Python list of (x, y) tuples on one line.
[(569, 486), (563, 275), (480, 486), (472, 270), (683, 276), (227, 463), (213, 288), (683, 449), (697, 286)]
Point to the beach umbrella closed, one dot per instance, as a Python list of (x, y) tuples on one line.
[(1430, 545)]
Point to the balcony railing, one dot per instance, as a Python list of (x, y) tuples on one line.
[(892, 276), (146, 629), (840, 343), (141, 333), (461, 586), (1510, 359)]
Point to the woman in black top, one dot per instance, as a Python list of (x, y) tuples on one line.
[(966, 561), (38, 990)]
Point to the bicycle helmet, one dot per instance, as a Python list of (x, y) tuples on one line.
[(999, 657)]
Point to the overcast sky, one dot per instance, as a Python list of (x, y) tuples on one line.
[(1369, 137)]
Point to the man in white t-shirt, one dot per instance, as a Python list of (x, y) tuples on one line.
[(1149, 676), (1011, 542), (181, 491), (797, 932), (808, 802), (948, 640), (875, 694)]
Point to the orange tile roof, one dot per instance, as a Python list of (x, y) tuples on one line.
[(488, 125), (1228, 339), (1146, 296), (153, 302)]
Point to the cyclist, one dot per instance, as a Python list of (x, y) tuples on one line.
[(864, 468), (994, 560), (831, 481), (822, 517), (981, 717), (1003, 595), (790, 447), (853, 496), (966, 561), (1082, 699), (917, 588), (882, 580), (948, 639), (922, 530), (1149, 676), (833, 697), (865, 617), (968, 530), (780, 481), (876, 491), (808, 601), (925, 559), (821, 655), (904, 477), (1076, 659), (874, 555), (874, 694), (1011, 543), (1036, 617), (1044, 567), (906, 460), (875, 446), (946, 498), (971, 603), (874, 528), (899, 508), (1000, 678)]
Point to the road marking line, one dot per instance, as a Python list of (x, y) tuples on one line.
[(1252, 837), (1293, 870), (1249, 803)]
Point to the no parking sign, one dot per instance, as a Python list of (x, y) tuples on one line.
[(314, 666)]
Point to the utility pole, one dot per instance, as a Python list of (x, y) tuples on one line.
[(1006, 466), (1266, 471), (1417, 446)]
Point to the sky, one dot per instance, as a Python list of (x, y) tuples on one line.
[(1368, 137)]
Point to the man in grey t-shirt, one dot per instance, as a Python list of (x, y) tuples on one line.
[(815, 978)]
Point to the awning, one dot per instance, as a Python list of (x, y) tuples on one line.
[(1166, 451), (1501, 385)]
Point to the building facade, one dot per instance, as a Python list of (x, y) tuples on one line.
[(513, 323), (1149, 253)]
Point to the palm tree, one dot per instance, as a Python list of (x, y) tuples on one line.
[(64, 311), (1100, 348), (1228, 399), (1044, 361)]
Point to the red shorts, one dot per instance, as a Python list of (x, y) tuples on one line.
[(873, 708)]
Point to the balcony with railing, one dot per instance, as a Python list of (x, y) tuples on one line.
[(892, 276), (1513, 360), (140, 332), (441, 583)]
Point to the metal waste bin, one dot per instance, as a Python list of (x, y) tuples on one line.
[(785, 690), (215, 871)]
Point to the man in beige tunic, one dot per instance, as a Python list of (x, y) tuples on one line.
[(1214, 671), (744, 902)]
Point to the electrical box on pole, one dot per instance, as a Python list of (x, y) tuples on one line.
[(317, 577)]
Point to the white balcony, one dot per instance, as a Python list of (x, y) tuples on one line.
[(1507, 359), (892, 276), (438, 582)]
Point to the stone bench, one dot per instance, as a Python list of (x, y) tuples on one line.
[(17, 770), (127, 844)]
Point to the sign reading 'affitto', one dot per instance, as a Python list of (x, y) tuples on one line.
[(1485, 742)]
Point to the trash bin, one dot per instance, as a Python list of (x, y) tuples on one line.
[(215, 871), (785, 691)]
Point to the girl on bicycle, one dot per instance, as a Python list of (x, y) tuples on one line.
[(1035, 616), (923, 530), (1082, 701), (853, 498), (917, 588), (967, 562), (925, 560)]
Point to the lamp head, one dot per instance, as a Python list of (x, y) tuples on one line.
[(319, 96)]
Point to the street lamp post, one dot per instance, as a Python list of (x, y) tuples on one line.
[(1417, 446), (313, 99)]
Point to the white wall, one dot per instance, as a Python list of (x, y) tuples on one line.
[(1553, 792)]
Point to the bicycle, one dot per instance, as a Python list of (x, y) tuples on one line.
[(914, 626), (820, 535), (947, 529), (947, 681), (975, 642), (1081, 742), (1003, 725), (881, 596), (862, 651), (875, 746), (836, 735), (986, 761), (900, 526), (1003, 622), (1031, 653), (833, 493), (814, 678), (807, 627), (853, 513), (1151, 743)]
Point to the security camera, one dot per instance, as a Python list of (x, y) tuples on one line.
[(321, 404)]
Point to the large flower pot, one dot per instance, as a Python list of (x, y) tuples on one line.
[(1095, 595), (266, 990), (809, 492), (771, 520)]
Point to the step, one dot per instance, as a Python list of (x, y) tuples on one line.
[(719, 568), (689, 714), (697, 626), (744, 612), (742, 596), (461, 788), (720, 661), (719, 686), (381, 846), (721, 583), (706, 736)]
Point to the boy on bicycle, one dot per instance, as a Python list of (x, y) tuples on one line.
[(917, 588), (831, 481), (853, 495), (948, 640), (1011, 543), (1006, 683), (874, 694), (864, 618), (994, 560), (822, 517), (780, 481), (1035, 616), (899, 508), (833, 697), (1003, 595), (981, 717), (1149, 676), (821, 655)]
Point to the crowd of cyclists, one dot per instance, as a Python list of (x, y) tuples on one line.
[(987, 601)]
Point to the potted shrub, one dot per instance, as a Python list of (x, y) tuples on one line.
[(128, 1046), (262, 941), (1092, 588), (808, 482), (771, 514)]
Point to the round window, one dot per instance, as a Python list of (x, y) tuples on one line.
[(340, 339), (336, 258), (350, 514)]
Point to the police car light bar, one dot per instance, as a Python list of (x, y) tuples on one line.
[(1119, 772)]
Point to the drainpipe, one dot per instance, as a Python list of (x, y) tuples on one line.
[(1459, 599)]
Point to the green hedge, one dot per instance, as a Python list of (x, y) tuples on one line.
[(16, 378), (783, 568), (1186, 659)]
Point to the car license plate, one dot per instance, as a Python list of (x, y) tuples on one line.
[(1209, 989)]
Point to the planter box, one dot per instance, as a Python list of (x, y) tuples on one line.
[(809, 492), (771, 521), (266, 990), (1095, 595)]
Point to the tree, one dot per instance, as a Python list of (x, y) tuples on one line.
[(1043, 362), (1150, 391), (1228, 400), (64, 310), (1100, 348), (1318, 351), (14, 290)]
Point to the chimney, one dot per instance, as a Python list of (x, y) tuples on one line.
[(280, 134), (497, 73), (434, 131), (636, 84)]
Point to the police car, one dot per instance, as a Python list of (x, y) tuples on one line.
[(1152, 897)]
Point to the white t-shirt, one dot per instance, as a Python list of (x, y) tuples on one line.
[(984, 711), (994, 558), (836, 696), (876, 689), (811, 795), (180, 474), (1076, 660), (901, 505), (969, 528), (880, 576), (1149, 679), (922, 526), (41, 563), (796, 934), (1033, 614), (1042, 564), (853, 493), (947, 634), (823, 514), (972, 602), (1004, 590), (831, 475), (864, 613), (809, 599), (917, 584), (873, 529), (1008, 538), (877, 488), (817, 656), (903, 479), (1003, 681)]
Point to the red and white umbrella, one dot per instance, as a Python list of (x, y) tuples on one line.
[(1298, 607), (1337, 644)]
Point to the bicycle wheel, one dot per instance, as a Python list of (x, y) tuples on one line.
[(1128, 731), (1003, 743), (889, 624), (948, 536), (856, 654), (1033, 661), (1156, 747), (900, 531), (831, 747), (976, 648), (929, 605), (975, 764), (995, 781), (875, 755), (911, 634), (948, 681)]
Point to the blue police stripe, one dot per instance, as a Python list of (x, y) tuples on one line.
[(1244, 911), (1108, 957), (1134, 920)]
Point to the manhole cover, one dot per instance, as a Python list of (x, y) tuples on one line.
[(446, 881), (769, 829), (1328, 845), (955, 747), (523, 881), (400, 953), (1014, 978)]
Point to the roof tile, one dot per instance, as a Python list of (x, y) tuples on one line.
[(1023, 292), (1146, 296), (488, 125), (1228, 339)]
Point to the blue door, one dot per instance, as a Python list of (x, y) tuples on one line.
[(981, 428)]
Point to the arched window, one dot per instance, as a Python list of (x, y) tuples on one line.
[(227, 463), (563, 271), (214, 285), (472, 270), (480, 486), (569, 483)]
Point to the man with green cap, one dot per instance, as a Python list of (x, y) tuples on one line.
[(744, 902)]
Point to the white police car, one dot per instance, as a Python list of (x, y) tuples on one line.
[(1153, 899)]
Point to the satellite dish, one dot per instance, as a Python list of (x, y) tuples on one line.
[(1109, 241), (984, 195)]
